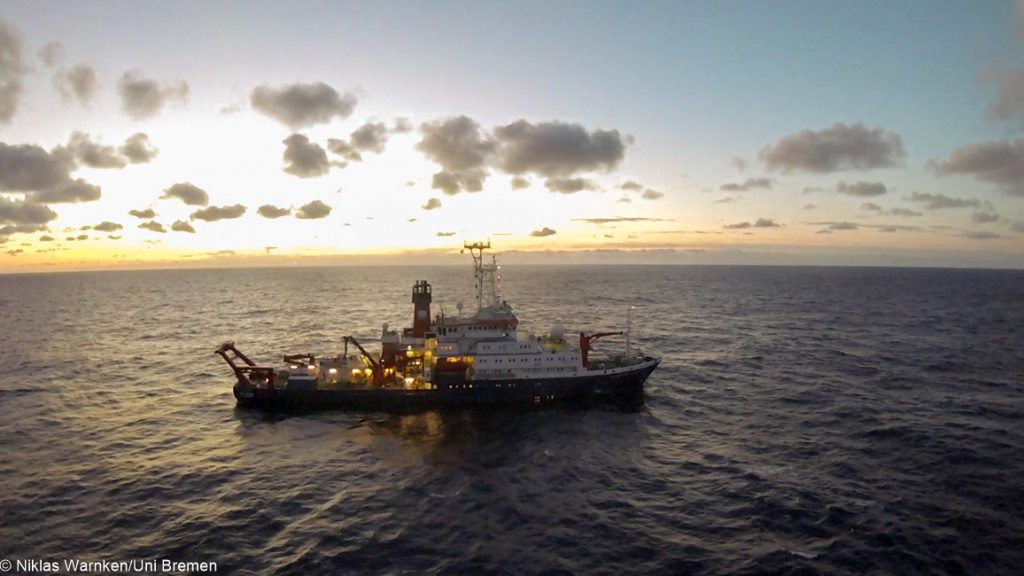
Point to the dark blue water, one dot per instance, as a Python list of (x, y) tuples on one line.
[(804, 420)]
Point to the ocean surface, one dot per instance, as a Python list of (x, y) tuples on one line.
[(803, 421)]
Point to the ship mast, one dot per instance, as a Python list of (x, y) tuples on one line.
[(483, 273)]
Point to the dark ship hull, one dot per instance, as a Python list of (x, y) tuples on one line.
[(617, 386)]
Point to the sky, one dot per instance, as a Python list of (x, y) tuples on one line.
[(143, 134)]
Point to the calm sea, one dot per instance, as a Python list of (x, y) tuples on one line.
[(804, 420)]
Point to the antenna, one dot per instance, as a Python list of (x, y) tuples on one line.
[(476, 249), (629, 328)]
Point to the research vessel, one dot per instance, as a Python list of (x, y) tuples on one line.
[(480, 359)]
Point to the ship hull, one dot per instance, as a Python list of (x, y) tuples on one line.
[(606, 386)]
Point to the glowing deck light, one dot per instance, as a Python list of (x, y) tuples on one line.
[(311, 366), (332, 371)]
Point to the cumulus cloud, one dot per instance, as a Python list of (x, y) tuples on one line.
[(568, 185), (759, 223), (999, 162), (303, 158), (740, 163), (1009, 104), (146, 214), (12, 69), (518, 183), (401, 125), (748, 185), (70, 191), (24, 215), (106, 226), (153, 227), (984, 217), (312, 211), (942, 202), (445, 234), (631, 186), (461, 149), (840, 147), (137, 149), (728, 200), (214, 213), (370, 137), (143, 97), (557, 149), (302, 105), (870, 207), (903, 212), (51, 54), (46, 238), (188, 193), (93, 154), (862, 189), (432, 204), (182, 226), (545, 231), (27, 167), (271, 211), (77, 83), (651, 194)]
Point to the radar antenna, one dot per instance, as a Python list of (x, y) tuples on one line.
[(483, 273)]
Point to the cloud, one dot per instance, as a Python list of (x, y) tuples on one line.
[(759, 223), (370, 137), (146, 214), (999, 162), (843, 226), (143, 98), (835, 149), (182, 226), (24, 215), (137, 149), (445, 234), (518, 183), (740, 163), (51, 54), (27, 168), (153, 227), (271, 211), (545, 231), (303, 158), (862, 189), (748, 185), (302, 105), (463, 152), (107, 226), (557, 149), (93, 154), (432, 204), (188, 193), (904, 212), (214, 213), (568, 185), (401, 125), (980, 235), (46, 238), (344, 149), (727, 200), (12, 69), (70, 191), (617, 219), (984, 217), (871, 207), (1009, 104), (77, 83), (312, 211), (810, 207), (631, 186), (942, 202), (651, 194)]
